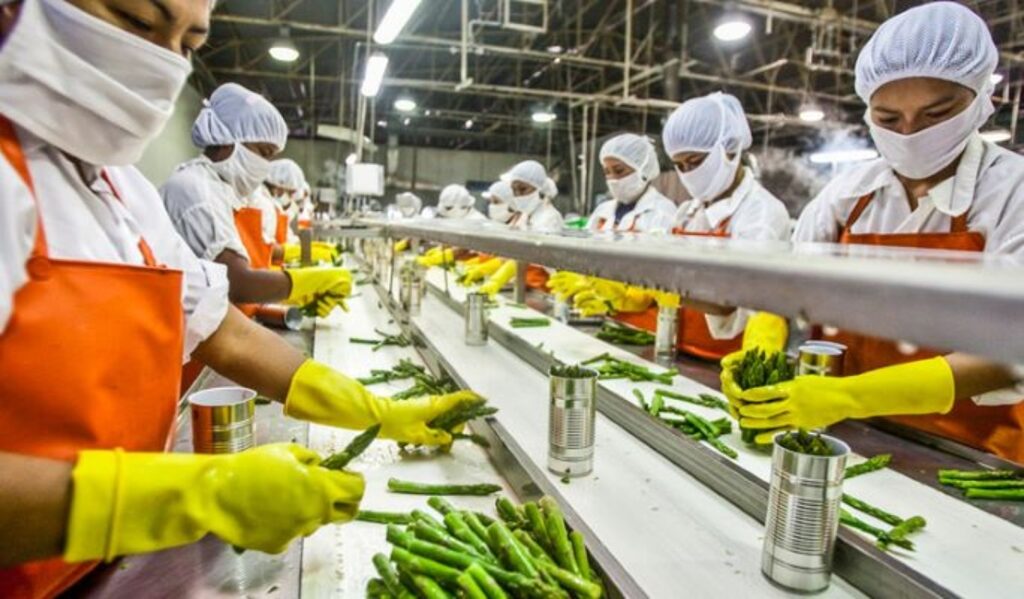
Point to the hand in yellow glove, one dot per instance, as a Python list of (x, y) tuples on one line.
[(481, 270), (665, 299), (328, 287), (124, 503), (565, 285), (606, 297), (437, 257), (401, 246), (764, 331), (499, 279), (809, 402), (319, 251), (321, 394)]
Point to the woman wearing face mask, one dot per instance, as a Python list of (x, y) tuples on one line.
[(455, 202), (239, 132), (499, 206), (925, 75), (284, 183), (706, 138), (97, 285), (533, 191), (630, 164), (409, 204)]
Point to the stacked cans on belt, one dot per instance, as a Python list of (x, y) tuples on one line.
[(222, 419), (803, 516), (571, 416), (476, 319)]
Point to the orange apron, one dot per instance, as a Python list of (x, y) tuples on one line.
[(996, 429), (695, 338), (249, 223), (281, 230), (536, 276), (89, 360)]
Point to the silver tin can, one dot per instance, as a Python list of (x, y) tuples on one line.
[(222, 419), (571, 416), (803, 517), (561, 311), (411, 290), (278, 316), (476, 319), (820, 359), (666, 334)]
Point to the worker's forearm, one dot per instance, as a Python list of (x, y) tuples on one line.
[(253, 286), (251, 356), (975, 376), (277, 254), (35, 498)]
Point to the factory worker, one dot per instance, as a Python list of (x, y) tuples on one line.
[(533, 192), (630, 164), (925, 76), (409, 204), (284, 183), (455, 202), (100, 299), (499, 202), (239, 131)]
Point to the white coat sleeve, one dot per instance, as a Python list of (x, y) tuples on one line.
[(818, 222), (201, 217)]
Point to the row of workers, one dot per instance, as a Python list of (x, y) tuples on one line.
[(926, 78), (108, 286)]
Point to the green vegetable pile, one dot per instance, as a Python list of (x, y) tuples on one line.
[(528, 323), (613, 368), (623, 335), (405, 369), (527, 552), (460, 415), (1007, 485), (688, 423), (901, 527), (758, 369), (398, 340), (806, 443)]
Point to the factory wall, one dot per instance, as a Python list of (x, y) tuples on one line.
[(174, 144)]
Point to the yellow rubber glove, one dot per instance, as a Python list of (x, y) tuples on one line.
[(765, 331), (497, 282), (437, 257), (125, 503), (606, 297), (319, 251), (811, 401), (665, 299), (565, 285), (401, 246), (328, 287), (323, 395), (481, 270)]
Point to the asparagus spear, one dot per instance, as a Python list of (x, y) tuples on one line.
[(856, 523), (508, 512), (428, 588), (986, 484), (469, 586), (375, 589), (441, 537), (573, 582), (579, 550), (441, 505), (526, 323), (461, 531), (414, 488), (875, 512), (704, 400), (505, 545), (490, 586), (977, 474), (383, 517), (554, 524), (421, 565), (390, 577), (357, 446), (1004, 494), (536, 525), (870, 465), (710, 434), (908, 526)]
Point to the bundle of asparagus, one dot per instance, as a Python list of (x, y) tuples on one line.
[(623, 335), (427, 384), (690, 424), (465, 412), (614, 368), (528, 552), (398, 340), (803, 442), (1005, 485), (405, 369), (758, 369), (572, 372)]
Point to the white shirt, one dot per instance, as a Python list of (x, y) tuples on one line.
[(988, 187), (87, 222), (754, 214), (201, 206), (653, 212), (545, 218), (264, 202)]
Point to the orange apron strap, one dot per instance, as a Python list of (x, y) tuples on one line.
[(858, 210), (722, 229), (11, 148), (958, 224)]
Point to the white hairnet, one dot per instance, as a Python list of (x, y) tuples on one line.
[(636, 151), (502, 190), (549, 189), (456, 196), (943, 40), (287, 174), (233, 115), (530, 172), (409, 203), (701, 123)]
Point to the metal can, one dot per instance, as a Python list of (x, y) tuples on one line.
[(561, 311), (665, 336), (803, 516), (476, 319), (822, 359), (410, 291), (282, 317), (222, 419), (571, 416)]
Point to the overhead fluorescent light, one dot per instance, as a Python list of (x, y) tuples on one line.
[(373, 76), (996, 136), (468, 124), (732, 30), (405, 104), (382, 124), (394, 20), (555, 49), (812, 114), (543, 116), (406, 121), (283, 48), (843, 156)]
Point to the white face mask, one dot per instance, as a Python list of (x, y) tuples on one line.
[(712, 177), (922, 154), (628, 189), (95, 91), (526, 203), (499, 211), (244, 170)]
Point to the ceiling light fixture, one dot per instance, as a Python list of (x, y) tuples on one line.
[(811, 114), (406, 121), (468, 124), (405, 104), (373, 74), (394, 20), (283, 48), (732, 29), (543, 115)]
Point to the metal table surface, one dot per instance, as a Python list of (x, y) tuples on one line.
[(209, 568)]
